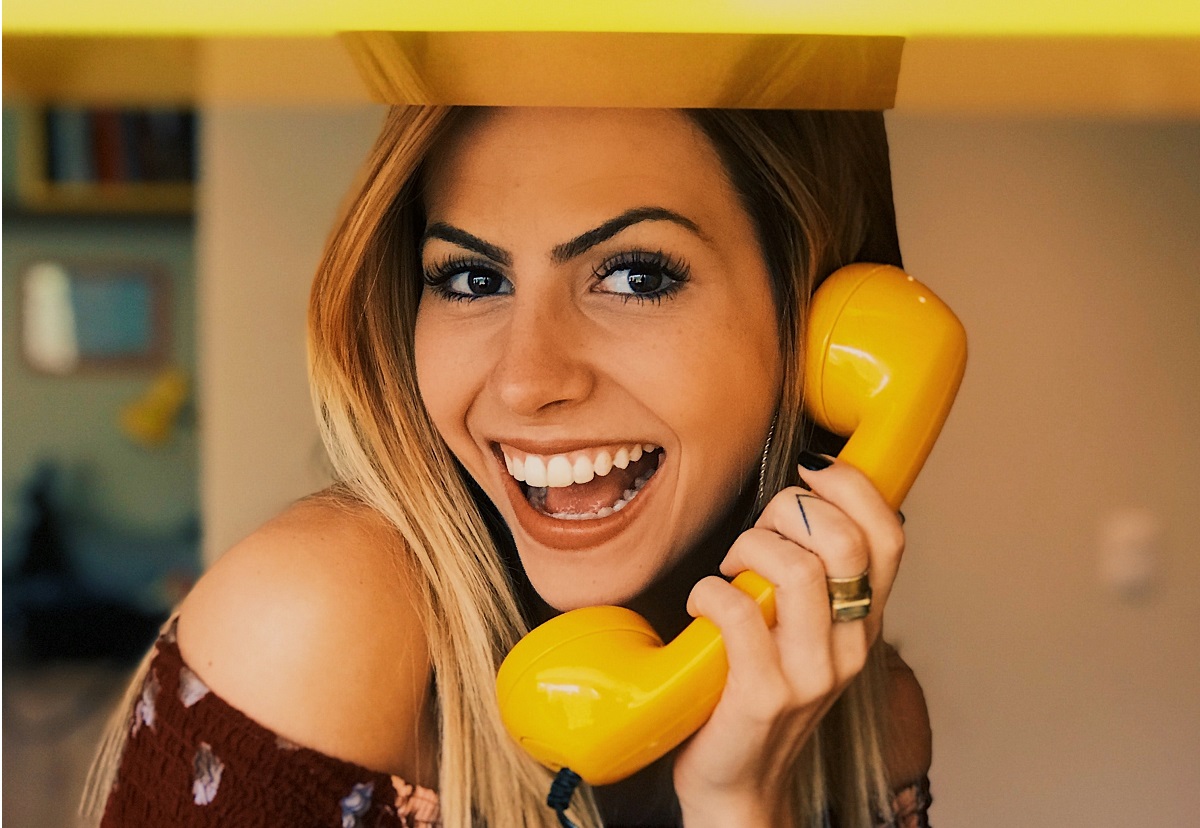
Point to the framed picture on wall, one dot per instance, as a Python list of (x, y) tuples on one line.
[(81, 316)]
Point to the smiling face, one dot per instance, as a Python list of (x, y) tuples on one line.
[(596, 340)]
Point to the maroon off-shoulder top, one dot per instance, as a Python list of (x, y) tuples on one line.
[(192, 760)]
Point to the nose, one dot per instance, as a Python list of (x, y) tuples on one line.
[(542, 364)]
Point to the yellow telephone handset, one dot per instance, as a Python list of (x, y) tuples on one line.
[(595, 689)]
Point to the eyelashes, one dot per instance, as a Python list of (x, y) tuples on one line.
[(633, 275), (642, 276), (460, 278)]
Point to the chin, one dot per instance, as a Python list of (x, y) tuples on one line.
[(568, 580)]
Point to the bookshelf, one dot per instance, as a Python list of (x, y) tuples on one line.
[(75, 160)]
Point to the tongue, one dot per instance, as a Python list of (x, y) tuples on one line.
[(590, 497)]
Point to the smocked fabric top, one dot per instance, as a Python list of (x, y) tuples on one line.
[(192, 761)]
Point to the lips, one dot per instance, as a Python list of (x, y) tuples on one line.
[(565, 499)]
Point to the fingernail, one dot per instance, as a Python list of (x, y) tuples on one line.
[(814, 462)]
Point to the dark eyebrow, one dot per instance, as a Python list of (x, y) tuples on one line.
[(585, 241), (446, 232), (567, 250)]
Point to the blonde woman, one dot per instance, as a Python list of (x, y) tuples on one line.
[(555, 356)]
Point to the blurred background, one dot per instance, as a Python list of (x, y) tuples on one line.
[(156, 407)]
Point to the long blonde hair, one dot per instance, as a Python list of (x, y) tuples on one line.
[(818, 188), (386, 452)]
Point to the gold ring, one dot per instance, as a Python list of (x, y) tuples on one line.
[(850, 598)]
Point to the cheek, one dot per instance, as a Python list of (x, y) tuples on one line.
[(717, 388), (443, 378)]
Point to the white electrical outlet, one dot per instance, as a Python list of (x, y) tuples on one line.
[(1130, 541)]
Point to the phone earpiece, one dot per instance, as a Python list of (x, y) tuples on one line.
[(884, 359), (595, 689)]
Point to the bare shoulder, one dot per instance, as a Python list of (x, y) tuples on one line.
[(909, 745), (311, 627)]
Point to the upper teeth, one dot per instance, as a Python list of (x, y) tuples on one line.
[(559, 470)]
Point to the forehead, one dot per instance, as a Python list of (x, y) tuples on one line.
[(593, 159)]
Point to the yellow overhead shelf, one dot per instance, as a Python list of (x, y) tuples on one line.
[(757, 71), (941, 18), (1074, 57)]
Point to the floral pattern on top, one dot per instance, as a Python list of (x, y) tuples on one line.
[(356, 803), (285, 744), (195, 761), (206, 778), (191, 688), (144, 711)]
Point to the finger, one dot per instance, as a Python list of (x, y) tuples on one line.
[(754, 667), (817, 525), (803, 630), (843, 551), (853, 493)]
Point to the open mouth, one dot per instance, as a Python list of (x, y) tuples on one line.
[(585, 485)]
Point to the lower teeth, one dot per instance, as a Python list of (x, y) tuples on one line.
[(537, 498)]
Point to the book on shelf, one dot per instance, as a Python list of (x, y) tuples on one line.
[(119, 146)]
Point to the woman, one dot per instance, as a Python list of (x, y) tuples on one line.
[(555, 355)]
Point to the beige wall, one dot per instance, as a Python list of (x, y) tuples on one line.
[(1069, 249), (272, 183)]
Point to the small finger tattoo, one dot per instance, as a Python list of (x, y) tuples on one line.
[(803, 514)]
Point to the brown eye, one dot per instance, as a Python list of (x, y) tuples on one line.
[(642, 280), (482, 282), (465, 282), (640, 276)]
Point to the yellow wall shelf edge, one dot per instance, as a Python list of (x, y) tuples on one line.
[(1148, 18)]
